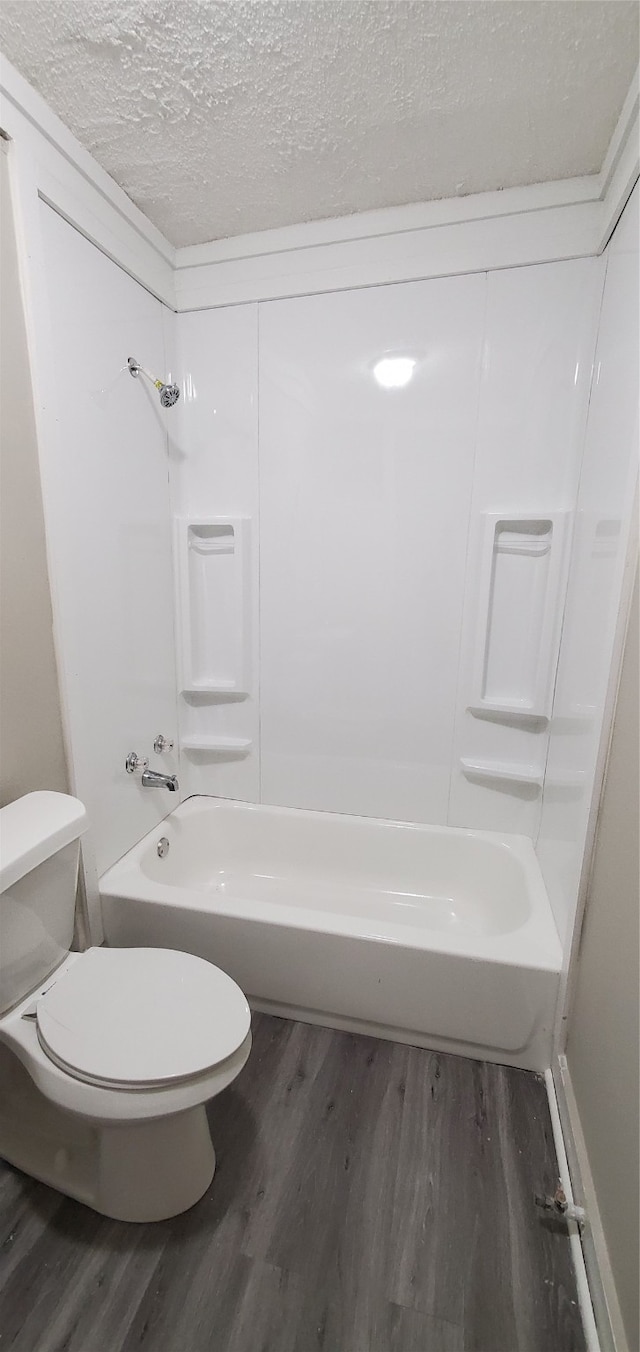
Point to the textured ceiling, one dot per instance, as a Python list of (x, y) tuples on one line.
[(221, 118)]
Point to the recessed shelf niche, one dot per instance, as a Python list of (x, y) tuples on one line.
[(213, 605), (522, 577)]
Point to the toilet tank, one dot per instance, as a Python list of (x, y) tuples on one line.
[(39, 853)]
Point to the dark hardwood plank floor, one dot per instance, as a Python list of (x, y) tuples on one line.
[(369, 1197)]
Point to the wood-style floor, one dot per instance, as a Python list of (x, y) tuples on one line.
[(369, 1197)]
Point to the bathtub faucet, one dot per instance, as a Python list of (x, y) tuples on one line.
[(152, 779)]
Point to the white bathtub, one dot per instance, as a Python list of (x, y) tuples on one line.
[(439, 937)]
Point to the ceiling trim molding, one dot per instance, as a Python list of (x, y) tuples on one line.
[(517, 226), (539, 223), (622, 134), (621, 166), (391, 221), (504, 240), (50, 163)]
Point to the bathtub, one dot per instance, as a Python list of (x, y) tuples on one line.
[(434, 936)]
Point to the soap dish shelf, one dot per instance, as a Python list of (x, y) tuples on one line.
[(508, 771), (217, 746), (213, 688)]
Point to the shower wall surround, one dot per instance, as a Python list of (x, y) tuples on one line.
[(367, 509), (606, 513), (365, 496), (106, 484), (398, 556), (539, 342)]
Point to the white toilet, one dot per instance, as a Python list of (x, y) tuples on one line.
[(107, 1057)]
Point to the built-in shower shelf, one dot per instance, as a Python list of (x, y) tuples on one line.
[(522, 570), (214, 605), (212, 688), (515, 710), (217, 746), (508, 771)]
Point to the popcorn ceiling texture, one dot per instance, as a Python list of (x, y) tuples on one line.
[(222, 118)]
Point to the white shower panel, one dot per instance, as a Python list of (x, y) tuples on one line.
[(214, 478), (604, 514), (539, 344), (109, 532), (365, 495)]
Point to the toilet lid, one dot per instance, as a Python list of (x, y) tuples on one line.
[(141, 1017)]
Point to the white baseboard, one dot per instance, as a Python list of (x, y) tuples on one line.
[(594, 1256), (585, 1297)]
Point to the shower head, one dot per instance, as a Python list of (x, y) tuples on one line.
[(169, 394)]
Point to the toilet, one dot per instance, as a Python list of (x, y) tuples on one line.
[(108, 1056)]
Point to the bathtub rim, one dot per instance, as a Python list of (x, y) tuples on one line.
[(534, 945)]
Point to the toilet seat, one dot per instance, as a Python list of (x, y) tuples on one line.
[(141, 1018)]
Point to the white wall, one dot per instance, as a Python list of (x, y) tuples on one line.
[(603, 1044), (31, 737), (605, 506), (108, 517), (365, 506)]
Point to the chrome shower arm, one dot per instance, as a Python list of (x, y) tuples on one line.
[(169, 394)]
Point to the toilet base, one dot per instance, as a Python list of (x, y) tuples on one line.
[(152, 1171), (144, 1171)]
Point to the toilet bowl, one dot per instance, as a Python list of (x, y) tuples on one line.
[(107, 1062)]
